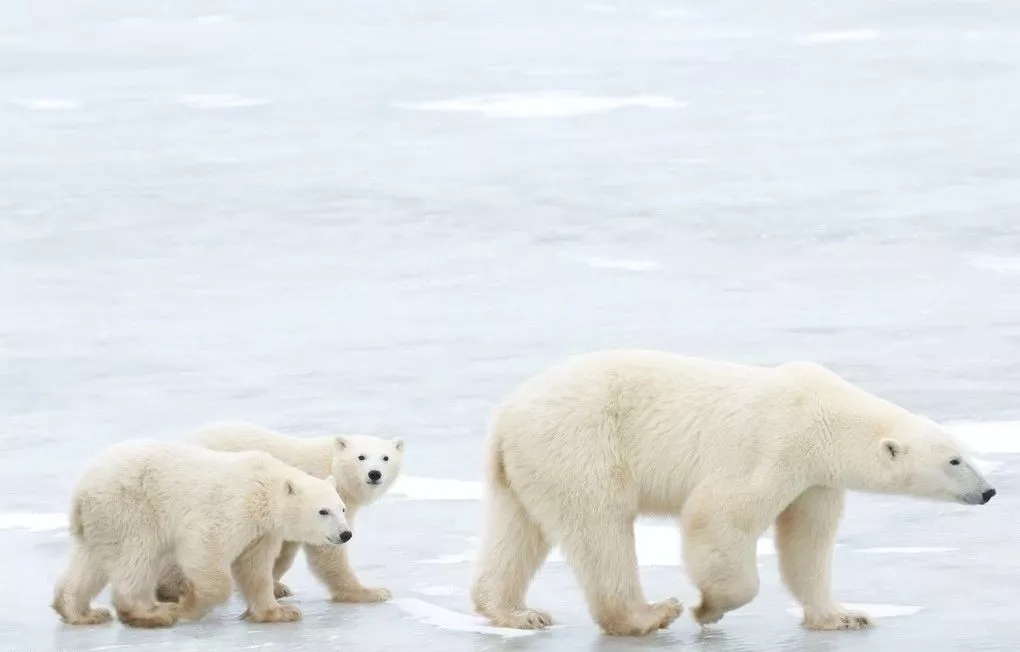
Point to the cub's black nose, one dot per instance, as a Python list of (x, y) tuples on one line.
[(374, 475), (345, 536), (987, 495)]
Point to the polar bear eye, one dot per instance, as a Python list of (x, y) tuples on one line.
[(385, 458), (361, 457), (955, 461), (323, 512)]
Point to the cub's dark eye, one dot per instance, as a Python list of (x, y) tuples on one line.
[(361, 457), (955, 461), (323, 512), (386, 458)]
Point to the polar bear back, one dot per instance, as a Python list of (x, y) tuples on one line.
[(661, 423), (313, 455), (161, 488)]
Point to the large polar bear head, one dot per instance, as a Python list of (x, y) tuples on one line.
[(313, 511), (917, 457), (365, 466)]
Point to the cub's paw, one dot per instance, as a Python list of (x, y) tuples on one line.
[(90, 617)]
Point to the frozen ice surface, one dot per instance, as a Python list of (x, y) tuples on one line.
[(379, 217)]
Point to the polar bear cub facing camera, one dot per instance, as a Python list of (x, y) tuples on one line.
[(578, 452), (363, 469), (141, 506)]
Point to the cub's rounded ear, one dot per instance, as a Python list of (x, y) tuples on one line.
[(398, 444), (288, 486), (341, 443), (892, 448), (331, 481)]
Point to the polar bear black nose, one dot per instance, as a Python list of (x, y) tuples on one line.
[(345, 536), (374, 475), (987, 495)]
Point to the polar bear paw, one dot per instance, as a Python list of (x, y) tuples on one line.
[(280, 614), (361, 594), (642, 622), (706, 614), (281, 590), (522, 619), (89, 617), (838, 620)]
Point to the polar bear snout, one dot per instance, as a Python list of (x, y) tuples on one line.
[(978, 497), (341, 537), (374, 476)]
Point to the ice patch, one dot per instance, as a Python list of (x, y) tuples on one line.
[(627, 265), (988, 436), (449, 620), (417, 488), (905, 550), (220, 101), (33, 522), (873, 610), (442, 591), (602, 9), (657, 545), (1009, 265), (457, 558), (213, 19), (545, 105), (844, 36), (48, 104)]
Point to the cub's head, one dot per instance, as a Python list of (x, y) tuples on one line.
[(919, 458), (366, 466), (314, 512)]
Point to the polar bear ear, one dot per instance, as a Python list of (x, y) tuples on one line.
[(288, 486), (398, 444), (331, 481), (340, 443), (892, 448)]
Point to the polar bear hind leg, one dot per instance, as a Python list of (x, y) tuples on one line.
[(79, 584), (512, 550), (134, 576)]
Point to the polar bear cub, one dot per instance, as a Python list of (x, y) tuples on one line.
[(578, 451), (142, 505), (363, 469)]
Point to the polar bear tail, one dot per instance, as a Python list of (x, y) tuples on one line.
[(495, 470), (77, 530)]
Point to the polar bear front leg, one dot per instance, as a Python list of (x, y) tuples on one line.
[(207, 576), (805, 539), (253, 572), (329, 564), (288, 551)]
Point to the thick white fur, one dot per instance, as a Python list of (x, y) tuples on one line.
[(321, 457), (143, 505), (579, 451)]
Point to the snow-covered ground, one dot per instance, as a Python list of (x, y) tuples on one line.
[(380, 216)]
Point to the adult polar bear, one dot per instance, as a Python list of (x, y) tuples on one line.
[(579, 451)]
